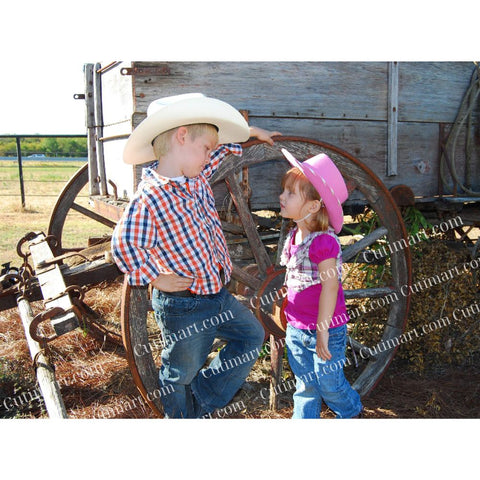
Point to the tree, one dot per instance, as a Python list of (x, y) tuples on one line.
[(51, 146)]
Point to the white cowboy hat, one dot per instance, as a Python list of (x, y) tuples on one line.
[(187, 109)]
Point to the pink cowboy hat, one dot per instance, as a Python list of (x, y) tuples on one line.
[(328, 181)]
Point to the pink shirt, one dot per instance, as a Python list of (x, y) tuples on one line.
[(302, 307)]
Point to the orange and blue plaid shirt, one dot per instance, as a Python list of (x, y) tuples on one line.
[(172, 226)]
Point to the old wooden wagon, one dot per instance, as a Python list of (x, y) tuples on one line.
[(402, 134)]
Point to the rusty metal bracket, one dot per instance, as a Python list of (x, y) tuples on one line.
[(115, 190), (36, 363), (163, 70), (76, 292), (42, 317), (26, 238)]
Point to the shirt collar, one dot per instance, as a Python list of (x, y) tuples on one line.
[(150, 173)]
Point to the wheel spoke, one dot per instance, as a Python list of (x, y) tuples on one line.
[(259, 251), (246, 278), (365, 242), (360, 347), (94, 216), (376, 292)]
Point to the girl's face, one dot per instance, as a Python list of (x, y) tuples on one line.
[(292, 204)]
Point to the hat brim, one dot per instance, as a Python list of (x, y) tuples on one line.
[(330, 199), (232, 127)]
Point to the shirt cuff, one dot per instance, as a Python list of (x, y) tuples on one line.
[(146, 274)]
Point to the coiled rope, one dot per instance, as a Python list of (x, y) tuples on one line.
[(447, 157)]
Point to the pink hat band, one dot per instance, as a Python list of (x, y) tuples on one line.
[(327, 180)]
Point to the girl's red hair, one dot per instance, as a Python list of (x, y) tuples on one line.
[(318, 222)]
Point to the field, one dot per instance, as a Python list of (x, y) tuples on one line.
[(43, 182), (435, 377)]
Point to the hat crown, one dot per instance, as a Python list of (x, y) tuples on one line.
[(322, 167), (160, 103), (167, 113)]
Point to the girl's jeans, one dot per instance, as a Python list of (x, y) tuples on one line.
[(189, 325), (318, 380)]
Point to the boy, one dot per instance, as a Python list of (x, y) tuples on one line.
[(170, 236)]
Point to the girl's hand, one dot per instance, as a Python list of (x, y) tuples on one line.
[(322, 345), (263, 135), (171, 282)]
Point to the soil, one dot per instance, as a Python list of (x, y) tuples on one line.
[(96, 383), (435, 377)]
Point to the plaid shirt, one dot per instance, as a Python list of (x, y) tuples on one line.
[(174, 227), (301, 271)]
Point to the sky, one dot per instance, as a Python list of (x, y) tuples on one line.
[(38, 99), (44, 45)]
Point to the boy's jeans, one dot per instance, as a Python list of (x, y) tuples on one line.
[(189, 326), (317, 379)]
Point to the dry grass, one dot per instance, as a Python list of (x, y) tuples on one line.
[(96, 381)]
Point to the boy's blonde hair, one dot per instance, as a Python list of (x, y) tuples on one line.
[(318, 222), (161, 143)]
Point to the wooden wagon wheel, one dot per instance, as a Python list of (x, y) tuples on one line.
[(264, 278), (69, 203)]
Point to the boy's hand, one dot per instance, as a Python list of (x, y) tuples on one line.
[(322, 345), (171, 282), (263, 135)]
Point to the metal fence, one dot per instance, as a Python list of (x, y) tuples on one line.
[(20, 159)]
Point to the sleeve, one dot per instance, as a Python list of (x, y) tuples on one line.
[(132, 240), (217, 156), (322, 248)]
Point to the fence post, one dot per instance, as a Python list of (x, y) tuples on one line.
[(20, 170)]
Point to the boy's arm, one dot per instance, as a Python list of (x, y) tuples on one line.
[(263, 135), (132, 240), (171, 282), (222, 151)]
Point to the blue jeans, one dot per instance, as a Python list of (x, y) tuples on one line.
[(318, 380), (189, 325)]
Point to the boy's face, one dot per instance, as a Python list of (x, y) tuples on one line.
[(196, 153)]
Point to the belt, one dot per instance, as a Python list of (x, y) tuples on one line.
[(186, 294), (182, 293)]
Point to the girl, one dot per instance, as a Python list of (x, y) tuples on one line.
[(313, 193)]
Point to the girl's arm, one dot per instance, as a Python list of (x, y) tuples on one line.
[(326, 305)]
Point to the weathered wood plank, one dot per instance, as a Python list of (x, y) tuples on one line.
[(432, 91), (392, 119), (342, 103), (118, 100), (97, 88), (44, 371), (280, 89), (90, 123), (53, 286)]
